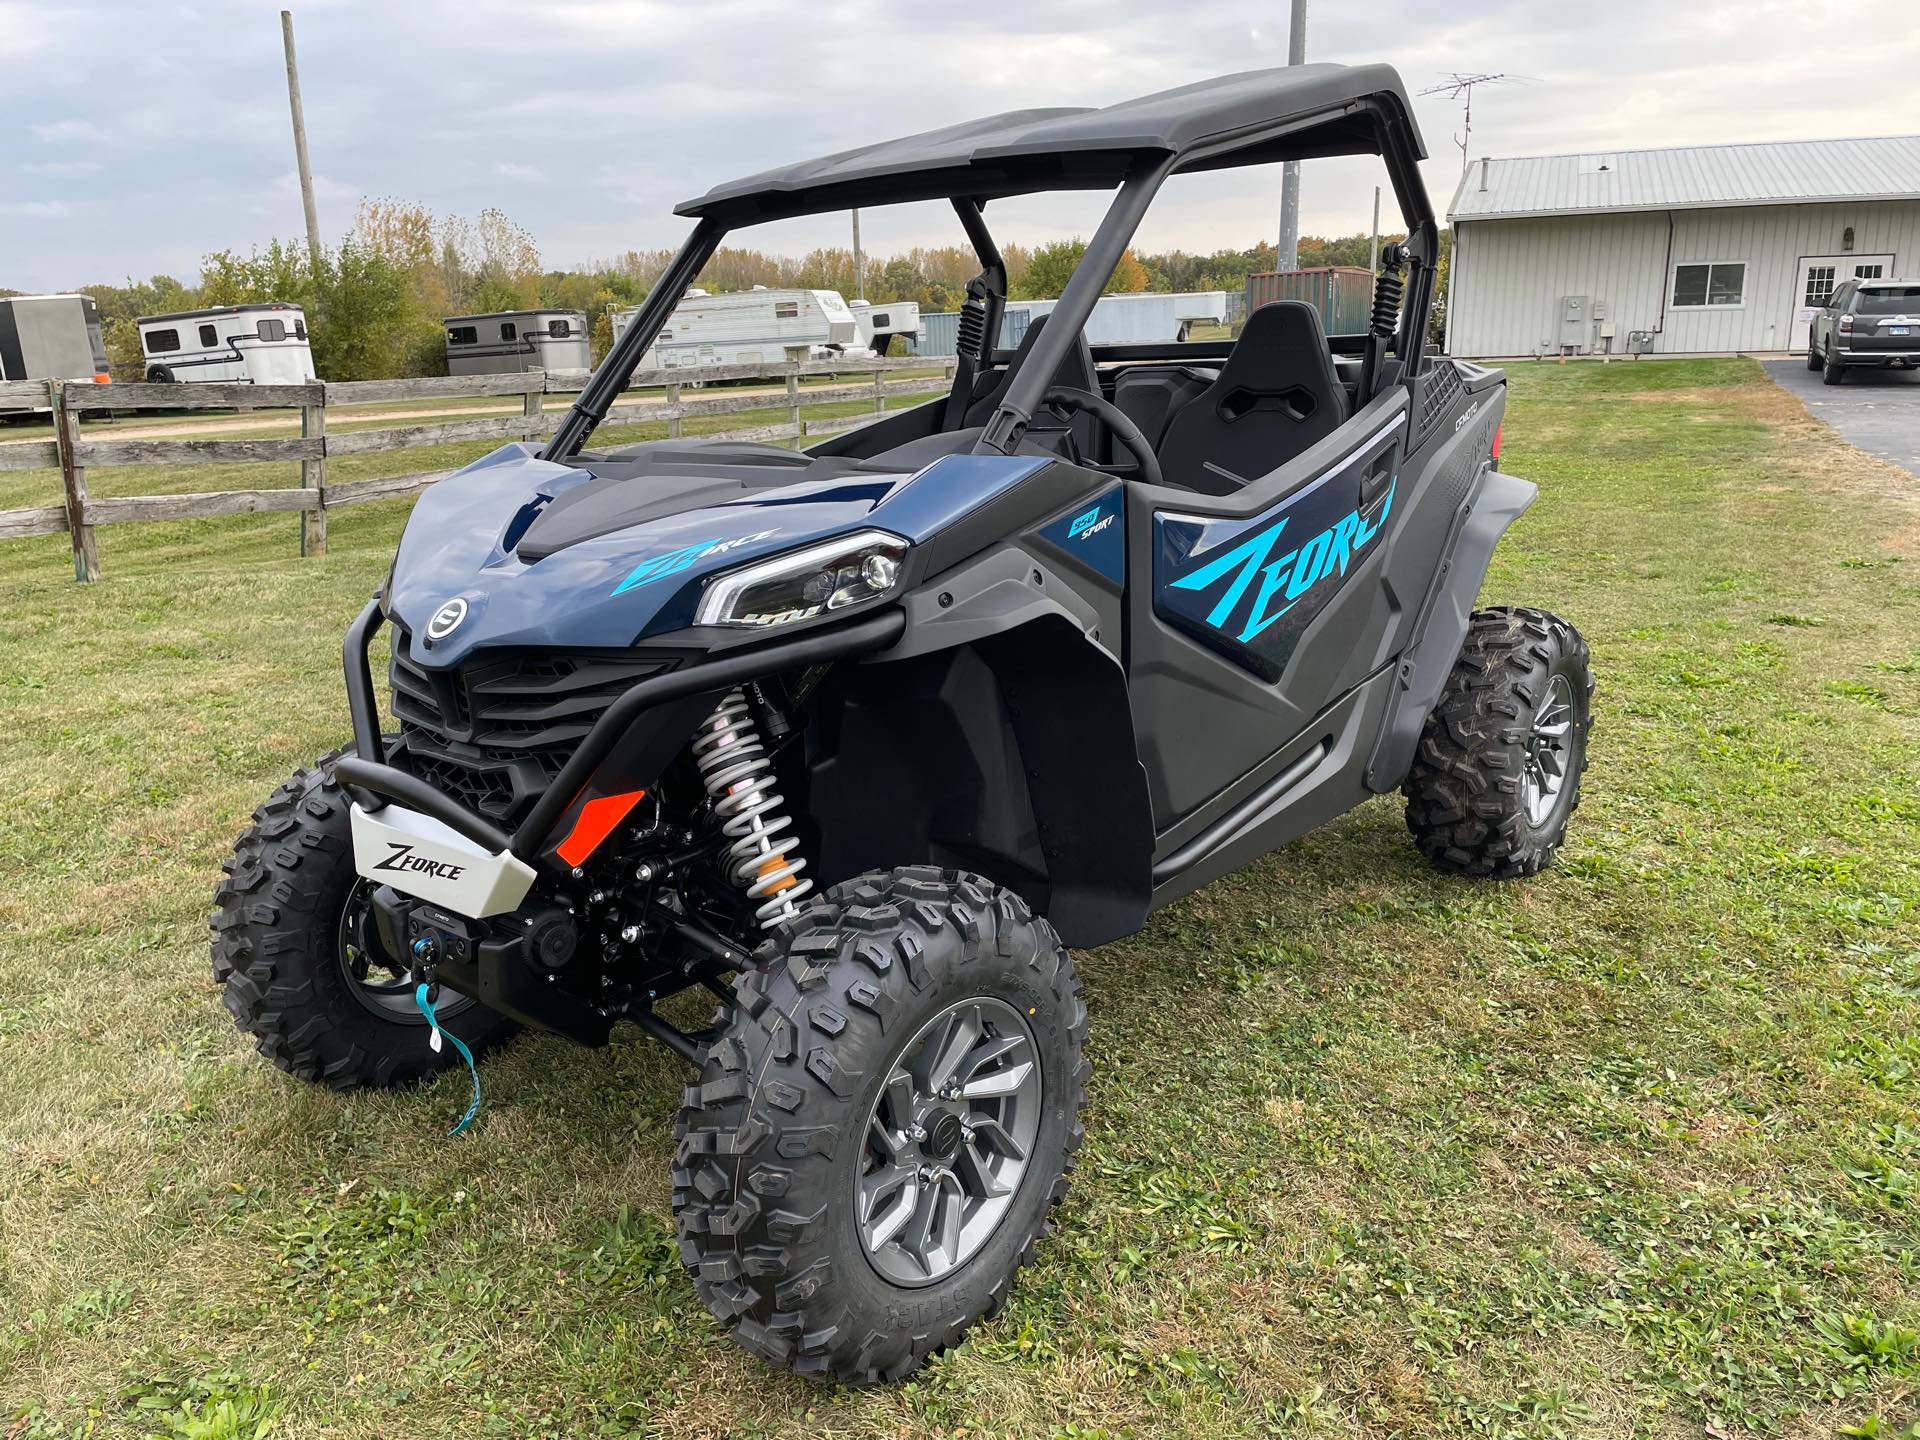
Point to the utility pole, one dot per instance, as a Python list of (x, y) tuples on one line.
[(300, 140), (859, 270), (1289, 256), (1373, 254)]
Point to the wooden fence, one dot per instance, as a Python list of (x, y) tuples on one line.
[(73, 454)]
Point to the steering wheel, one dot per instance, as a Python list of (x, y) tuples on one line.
[(1065, 400)]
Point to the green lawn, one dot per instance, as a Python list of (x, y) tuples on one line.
[(1630, 1149)]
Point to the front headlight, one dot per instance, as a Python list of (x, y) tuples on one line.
[(834, 575)]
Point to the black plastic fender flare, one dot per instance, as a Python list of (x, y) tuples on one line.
[(1484, 516)]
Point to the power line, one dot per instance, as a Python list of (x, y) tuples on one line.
[(1459, 86)]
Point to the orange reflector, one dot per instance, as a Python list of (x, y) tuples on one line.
[(597, 819), (1498, 431), (102, 378)]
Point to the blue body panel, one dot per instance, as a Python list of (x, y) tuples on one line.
[(644, 580), (1095, 534)]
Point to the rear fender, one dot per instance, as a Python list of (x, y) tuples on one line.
[(1493, 504)]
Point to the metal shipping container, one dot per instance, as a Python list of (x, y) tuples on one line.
[(1343, 294)]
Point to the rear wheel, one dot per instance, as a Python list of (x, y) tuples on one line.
[(878, 1136), (1832, 371), (295, 945), (1497, 773)]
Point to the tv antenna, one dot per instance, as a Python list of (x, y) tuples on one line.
[(1459, 86)]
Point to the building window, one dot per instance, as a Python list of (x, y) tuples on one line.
[(1868, 272), (509, 331), (299, 329), (159, 342), (1820, 280), (559, 329), (1723, 283), (462, 335), (209, 337), (786, 309), (273, 329)]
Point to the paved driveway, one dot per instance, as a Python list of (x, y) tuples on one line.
[(1877, 410)]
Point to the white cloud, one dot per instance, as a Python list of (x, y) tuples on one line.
[(37, 209), (623, 107)]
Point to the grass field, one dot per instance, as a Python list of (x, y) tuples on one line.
[(1628, 1150)]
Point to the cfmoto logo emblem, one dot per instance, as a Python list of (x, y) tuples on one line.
[(446, 619)]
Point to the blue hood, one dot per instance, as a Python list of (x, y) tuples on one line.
[(644, 580)]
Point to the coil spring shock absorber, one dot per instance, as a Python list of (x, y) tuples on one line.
[(1388, 288), (738, 775), (972, 325)]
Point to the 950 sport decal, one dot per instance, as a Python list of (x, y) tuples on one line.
[(1250, 587)]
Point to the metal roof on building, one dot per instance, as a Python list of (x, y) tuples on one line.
[(1790, 172)]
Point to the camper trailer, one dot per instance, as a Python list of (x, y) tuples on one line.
[(263, 344), (51, 337), (510, 341), (751, 327), (878, 324), (1137, 319)]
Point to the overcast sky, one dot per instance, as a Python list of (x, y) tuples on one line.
[(136, 137)]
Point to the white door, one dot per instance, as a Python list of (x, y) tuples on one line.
[(1818, 276)]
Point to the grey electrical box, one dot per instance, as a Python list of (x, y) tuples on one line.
[(1574, 317)]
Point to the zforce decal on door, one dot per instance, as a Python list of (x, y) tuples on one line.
[(1250, 588)]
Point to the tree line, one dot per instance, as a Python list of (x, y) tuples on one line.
[(376, 300)]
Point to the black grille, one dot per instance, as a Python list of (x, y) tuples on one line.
[(496, 731), (1440, 388)]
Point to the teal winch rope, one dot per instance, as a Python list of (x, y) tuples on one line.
[(426, 1009)]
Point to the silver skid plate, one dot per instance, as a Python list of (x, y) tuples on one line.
[(419, 856)]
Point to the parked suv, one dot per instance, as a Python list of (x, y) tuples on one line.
[(1866, 322)]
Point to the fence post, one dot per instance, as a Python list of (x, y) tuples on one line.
[(879, 392), (793, 403), (534, 407), (673, 421), (73, 479), (313, 476)]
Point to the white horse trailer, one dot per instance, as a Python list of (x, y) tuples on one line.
[(262, 344), (750, 327), (878, 324), (507, 342), (51, 337)]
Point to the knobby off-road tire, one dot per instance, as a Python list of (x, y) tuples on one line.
[(277, 950), (1467, 792), (774, 1137)]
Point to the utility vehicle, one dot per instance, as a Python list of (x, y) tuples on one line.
[(863, 738)]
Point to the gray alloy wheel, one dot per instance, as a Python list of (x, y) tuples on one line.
[(1548, 747), (948, 1139)]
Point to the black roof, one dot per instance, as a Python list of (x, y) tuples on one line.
[(509, 315), (218, 310), (1233, 120)]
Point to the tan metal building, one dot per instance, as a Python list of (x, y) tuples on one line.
[(1715, 248)]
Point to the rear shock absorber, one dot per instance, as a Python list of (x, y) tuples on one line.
[(1388, 288), (738, 775), (971, 328)]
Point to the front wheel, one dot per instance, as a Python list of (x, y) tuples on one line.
[(878, 1135), (1497, 774), (296, 948), (1813, 355)]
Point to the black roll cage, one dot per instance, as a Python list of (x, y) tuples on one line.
[(1396, 141)]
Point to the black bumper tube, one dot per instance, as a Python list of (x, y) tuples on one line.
[(858, 637), (374, 782)]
